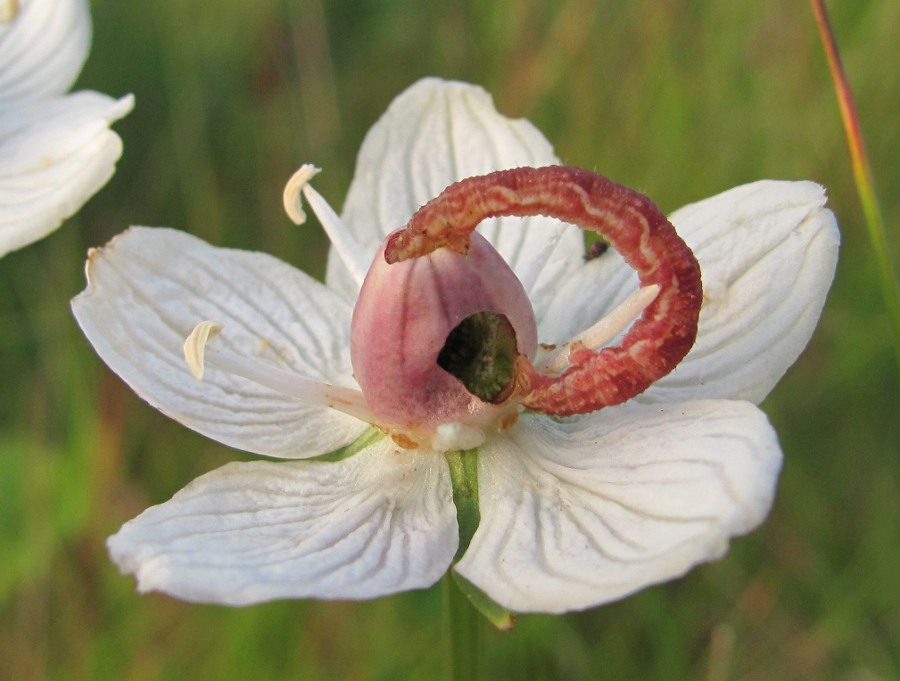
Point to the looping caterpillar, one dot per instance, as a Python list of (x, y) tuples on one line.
[(630, 223)]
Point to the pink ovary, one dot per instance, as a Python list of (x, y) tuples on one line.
[(402, 319)]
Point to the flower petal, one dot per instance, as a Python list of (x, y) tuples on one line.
[(584, 295), (148, 289), (54, 155), (374, 524), (432, 135), (767, 253), (43, 49), (584, 512)]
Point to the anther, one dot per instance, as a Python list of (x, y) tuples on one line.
[(293, 205), (344, 243), (8, 10), (198, 353), (195, 347)]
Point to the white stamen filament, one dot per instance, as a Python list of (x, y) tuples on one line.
[(345, 245), (198, 353), (604, 330)]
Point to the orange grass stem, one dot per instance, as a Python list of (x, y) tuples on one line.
[(862, 172)]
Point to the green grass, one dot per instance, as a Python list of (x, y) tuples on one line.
[(678, 99)]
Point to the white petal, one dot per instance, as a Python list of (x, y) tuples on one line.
[(148, 289), (43, 49), (54, 155), (374, 524), (585, 294), (432, 135), (767, 253), (581, 513)]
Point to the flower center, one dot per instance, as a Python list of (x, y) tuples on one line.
[(630, 223), (443, 337), (481, 352), (434, 343)]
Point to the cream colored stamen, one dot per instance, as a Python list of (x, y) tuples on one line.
[(195, 347), (198, 353), (8, 10), (293, 204), (343, 242), (604, 330)]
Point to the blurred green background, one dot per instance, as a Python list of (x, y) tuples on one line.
[(680, 99)]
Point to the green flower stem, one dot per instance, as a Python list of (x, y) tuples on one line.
[(862, 174), (464, 477), (462, 622), (465, 605), (462, 634)]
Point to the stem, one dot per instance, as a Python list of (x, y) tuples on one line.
[(462, 622), (862, 173), (462, 634), (464, 477)]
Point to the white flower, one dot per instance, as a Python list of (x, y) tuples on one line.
[(56, 150), (573, 513)]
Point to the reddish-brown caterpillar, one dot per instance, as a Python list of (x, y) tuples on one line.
[(631, 223)]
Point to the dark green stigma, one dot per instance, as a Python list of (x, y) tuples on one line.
[(481, 352)]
